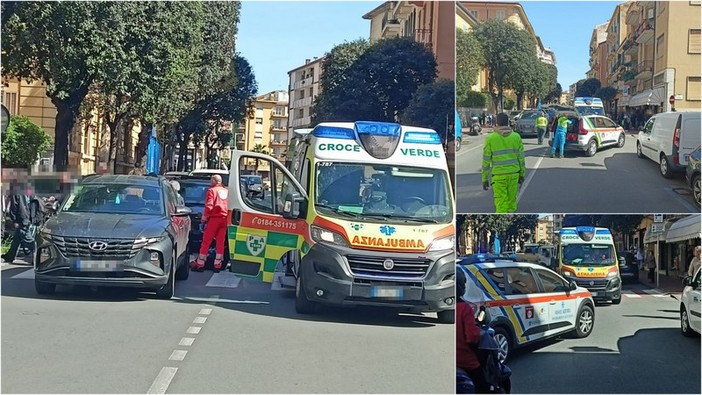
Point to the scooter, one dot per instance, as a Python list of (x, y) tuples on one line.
[(475, 128), (496, 373)]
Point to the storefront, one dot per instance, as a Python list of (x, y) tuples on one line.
[(655, 240), (682, 237)]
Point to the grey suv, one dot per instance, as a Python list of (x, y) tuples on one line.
[(116, 230)]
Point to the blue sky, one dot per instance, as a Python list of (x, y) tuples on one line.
[(566, 27), (276, 37)]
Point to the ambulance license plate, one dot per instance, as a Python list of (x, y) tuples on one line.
[(386, 292)]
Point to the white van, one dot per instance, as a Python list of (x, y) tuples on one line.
[(669, 138)]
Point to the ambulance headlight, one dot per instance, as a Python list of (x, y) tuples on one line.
[(321, 235), (612, 274), (447, 243), (567, 273)]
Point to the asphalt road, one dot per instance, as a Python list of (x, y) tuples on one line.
[(635, 347), (614, 180), (238, 337)]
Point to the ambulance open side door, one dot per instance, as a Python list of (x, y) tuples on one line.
[(264, 227)]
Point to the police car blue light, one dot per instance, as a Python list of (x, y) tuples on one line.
[(377, 128), (333, 132), (421, 138)]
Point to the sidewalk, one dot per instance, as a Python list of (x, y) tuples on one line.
[(666, 284)]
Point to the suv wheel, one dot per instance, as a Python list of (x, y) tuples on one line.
[(446, 316), (183, 271), (168, 289), (665, 167), (591, 148), (585, 321), (685, 322)]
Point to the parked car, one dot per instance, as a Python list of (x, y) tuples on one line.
[(206, 174), (692, 174), (253, 185), (526, 124), (669, 138), (480, 258), (116, 230), (175, 175), (690, 305), (628, 267), (527, 303), (193, 192), (590, 133)]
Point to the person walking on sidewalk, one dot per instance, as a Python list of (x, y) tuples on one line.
[(215, 219), (27, 214), (541, 124), (695, 262), (651, 265), (503, 160), (640, 258), (559, 138)]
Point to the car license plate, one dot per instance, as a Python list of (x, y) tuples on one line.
[(386, 292), (595, 293), (98, 266)]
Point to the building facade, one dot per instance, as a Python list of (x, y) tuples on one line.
[(266, 129), (428, 22), (303, 88), (598, 54)]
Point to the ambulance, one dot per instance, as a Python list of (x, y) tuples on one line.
[(587, 255), (589, 106), (363, 214)]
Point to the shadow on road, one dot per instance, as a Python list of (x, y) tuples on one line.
[(649, 361)]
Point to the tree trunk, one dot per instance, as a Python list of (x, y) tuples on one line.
[(520, 98), (65, 120), (112, 126), (142, 146), (183, 151)]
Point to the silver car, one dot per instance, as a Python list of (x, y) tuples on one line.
[(526, 124)]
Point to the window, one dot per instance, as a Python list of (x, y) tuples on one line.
[(693, 88), (693, 41), (660, 46), (171, 199), (500, 14), (475, 14), (520, 281), (10, 101), (551, 282), (311, 92), (259, 121), (602, 122), (259, 107), (302, 93), (301, 113), (497, 276)]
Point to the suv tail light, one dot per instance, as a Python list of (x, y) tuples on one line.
[(581, 127), (676, 145)]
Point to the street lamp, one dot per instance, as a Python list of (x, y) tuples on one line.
[(5, 121)]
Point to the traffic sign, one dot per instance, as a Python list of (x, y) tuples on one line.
[(671, 100), (657, 228), (5, 119), (657, 217)]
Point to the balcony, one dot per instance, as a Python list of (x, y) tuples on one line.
[(644, 70), (423, 36), (391, 27), (402, 9), (278, 115), (278, 143), (301, 122), (644, 33), (630, 46), (306, 102), (279, 128), (303, 83), (632, 17)]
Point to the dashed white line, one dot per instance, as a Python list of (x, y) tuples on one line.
[(200, 320), (529, 177), (194, 330), (162, 381), (205, 311), (177, 355), (631, 294), (186, 341)]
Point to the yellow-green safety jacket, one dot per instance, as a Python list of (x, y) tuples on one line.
[(541, 122), (502, 155)]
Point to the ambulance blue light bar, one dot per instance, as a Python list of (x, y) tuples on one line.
[(603, 232), (568, 231), (421, 138), (585, 229), (333, 132), (377, 128)]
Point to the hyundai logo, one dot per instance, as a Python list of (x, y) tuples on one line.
[(388, 264), (98, 245)]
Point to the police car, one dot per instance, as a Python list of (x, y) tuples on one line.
[(527, 302)]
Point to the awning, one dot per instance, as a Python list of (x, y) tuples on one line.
[(684, 229), (653, 97), (624, 101), (654, 237)]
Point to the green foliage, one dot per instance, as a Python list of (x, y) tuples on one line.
[(606, 94), (473, 99), (432, 107), (554, 95), (512, 229), (23, 143), (469, 57), (588, 87), (379, 84), (509, 104)]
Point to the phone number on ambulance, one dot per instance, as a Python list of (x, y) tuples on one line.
[(274, 223)]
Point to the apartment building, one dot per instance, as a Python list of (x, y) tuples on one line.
[(598, 54), (617, 31), (544, 231), (303, 88), (266, 130), (660, 56), (428, 22)]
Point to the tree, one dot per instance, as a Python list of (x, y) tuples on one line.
[(505, 49), (23, 143), (334, 73), (607, 94), (379, 85), (261, 149), (63, 45), (474, 99), (468, 60), (509, 104), (432, 107), (588, 87), (554, 95)]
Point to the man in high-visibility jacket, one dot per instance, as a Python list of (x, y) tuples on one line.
[(559, 138), (541, 124), (215, 219), (503, 159)]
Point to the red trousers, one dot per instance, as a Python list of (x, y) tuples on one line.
[(215, 228)]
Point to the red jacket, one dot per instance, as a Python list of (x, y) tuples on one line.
[(216, 202), (467, 334)]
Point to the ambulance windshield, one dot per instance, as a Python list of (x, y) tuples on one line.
[(383, 192), (588, 255)]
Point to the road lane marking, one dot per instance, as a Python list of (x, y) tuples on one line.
[(528, 179), (205, 311), (218, 300), (162, 381), (25, 275), (630, 294), (194, 330), (199, 320), (223, 280), (178, 355), (653, 292), (186, 341)]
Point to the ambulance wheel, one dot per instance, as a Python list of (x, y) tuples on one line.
[(446, 316), (302, 304), (591, 148), (504, 343), (585, 321), (617, 300)]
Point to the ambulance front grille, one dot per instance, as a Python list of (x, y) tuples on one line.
[(402, 268)]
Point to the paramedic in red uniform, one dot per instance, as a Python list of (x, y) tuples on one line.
[(215, 219)]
